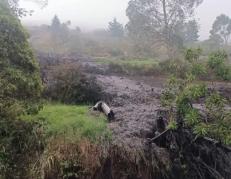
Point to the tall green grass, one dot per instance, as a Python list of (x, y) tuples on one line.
[(72, 122)]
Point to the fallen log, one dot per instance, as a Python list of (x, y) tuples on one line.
[(104, 108)]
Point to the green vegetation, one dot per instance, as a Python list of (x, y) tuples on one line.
[(131, 66), (73, 122), (74, 139), (181, 94), (20, 90), (71, 86), (130, 62), (218, 63)]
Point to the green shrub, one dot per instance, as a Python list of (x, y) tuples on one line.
[(181, 94), (193, 55), (178, 68), (219, 65), (216, 59), (199, 70), (20, 90), (68, 84)]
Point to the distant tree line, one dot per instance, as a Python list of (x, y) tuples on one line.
[(167, 23)]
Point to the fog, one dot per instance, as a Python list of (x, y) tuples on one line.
[(92, 14)]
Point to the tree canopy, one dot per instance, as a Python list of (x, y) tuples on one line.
[(19, 76), (20, 89), (60, 31), (115, 28), (157, 20), (221, 30)]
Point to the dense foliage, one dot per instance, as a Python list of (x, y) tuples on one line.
[(162, 22), (115, 28), (20, 89), (68, 84), (212, 121)]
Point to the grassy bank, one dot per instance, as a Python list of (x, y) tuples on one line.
[(131, 62), (72, 122), (131, 66)]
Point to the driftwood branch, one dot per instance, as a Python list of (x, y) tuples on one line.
[(163, 134)]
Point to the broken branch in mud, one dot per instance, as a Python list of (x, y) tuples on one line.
[(163, 134), (104, 108)]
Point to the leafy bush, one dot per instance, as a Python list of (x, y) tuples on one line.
[(21, 143), (193, 55), (199, 70), (218, 63), (68, 84), (178, 68), (180, 95), (20, 89), (216, 59)]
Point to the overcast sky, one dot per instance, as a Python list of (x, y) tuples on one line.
[(92, 14)]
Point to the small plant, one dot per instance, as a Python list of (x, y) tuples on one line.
[(198, 70), (192, 117), (216, 59), (201, 130), (193, 55), (172, 125)]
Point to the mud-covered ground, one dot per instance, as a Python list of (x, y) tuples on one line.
[(135, 105)]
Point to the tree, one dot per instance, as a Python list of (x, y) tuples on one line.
[(13, 4), (60, 31), (157, 20), (20, 89), (191, 32), (221, 30), (19, 69), (115, 28), (55, 24)]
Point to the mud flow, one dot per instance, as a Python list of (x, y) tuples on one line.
[(135, 105)]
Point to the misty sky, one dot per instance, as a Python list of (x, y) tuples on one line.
[(92, 14)]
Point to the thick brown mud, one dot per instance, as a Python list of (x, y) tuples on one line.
[(135, 104)]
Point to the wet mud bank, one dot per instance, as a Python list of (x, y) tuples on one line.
[(178, 154)]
